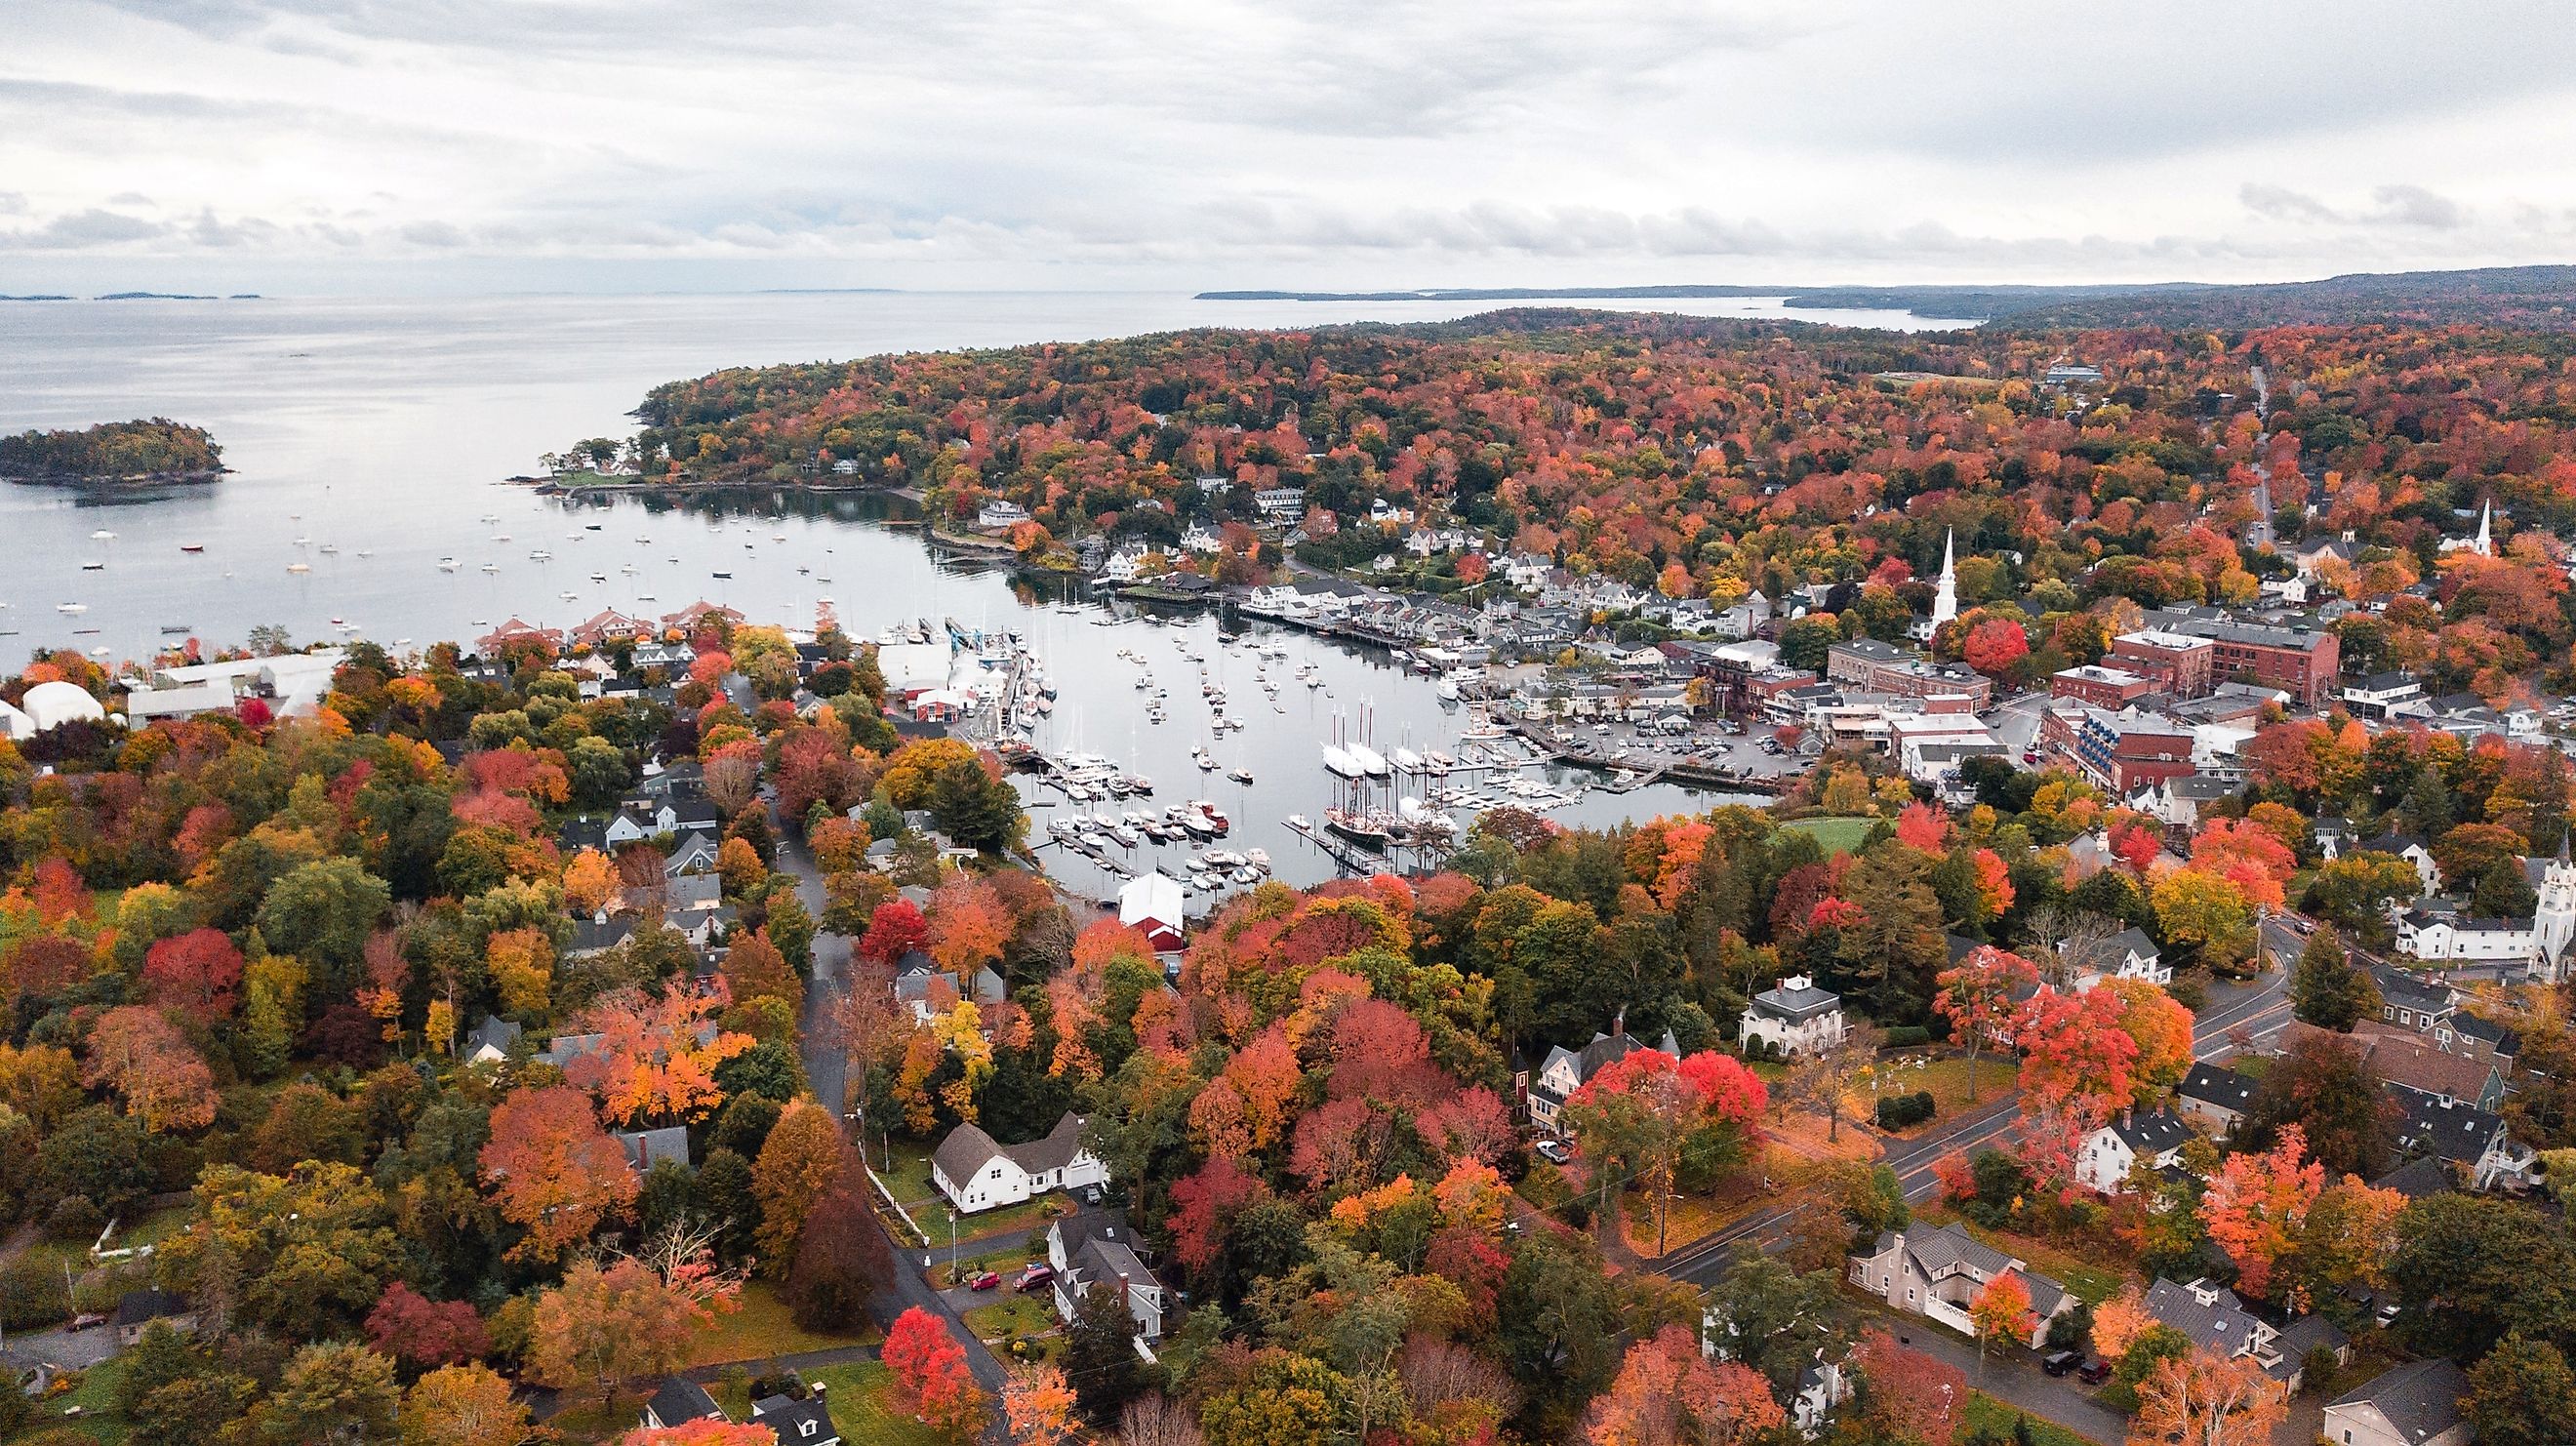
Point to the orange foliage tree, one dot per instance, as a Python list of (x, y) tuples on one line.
[(1667, 1391), (152, 1066), (553, 1171), (657, 1054), (2257, 1206), (2207, 1400)]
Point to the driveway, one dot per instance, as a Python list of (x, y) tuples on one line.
[(2012, 1376)]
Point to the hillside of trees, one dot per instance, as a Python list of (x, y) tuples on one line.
[(157, 449)]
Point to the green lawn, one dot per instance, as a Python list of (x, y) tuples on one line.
[(2088, 1281), (1003, 1257), (1987, 1414), (1946, 1076), (1013, 1315), (759, 1329), (909, 1177), (95, 1397), (1838, 835), (861, 1398)]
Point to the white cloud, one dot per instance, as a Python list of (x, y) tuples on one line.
[(1364, 142)]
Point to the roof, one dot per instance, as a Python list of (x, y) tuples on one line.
[(2441, 1127), (2418, 1179), (499, 1034), (645, 1148), (1797, 1005), (2152, 1133), (2114, 950), (2306, 1333), (965, 1153), (2213, 1085), (1055, 1150), (681, 1399), (802, 1423), (2406, 1057), (1099, 1245), (2213, 1316), (2420, 1399), (136, 1307), (967, 1150)]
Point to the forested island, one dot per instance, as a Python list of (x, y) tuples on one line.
[(157, 450)]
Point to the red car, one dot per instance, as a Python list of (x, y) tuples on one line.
[(984, 1280), (1033, 1277)]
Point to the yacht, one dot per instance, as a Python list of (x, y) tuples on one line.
[(192, 547), (299, 567), (1239, 775), (448, 564)]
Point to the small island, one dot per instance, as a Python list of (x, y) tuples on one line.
[(113, 453)]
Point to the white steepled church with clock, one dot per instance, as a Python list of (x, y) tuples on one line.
[(2553, 919)]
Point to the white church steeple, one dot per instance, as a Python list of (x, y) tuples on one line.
[(2485, 545), (1945, 601), (2553, 921)]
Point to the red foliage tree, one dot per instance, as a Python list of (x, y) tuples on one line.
[(421, 1332), (929, 1370), (1204, 1205), (194, 973), (1909, 1397), (1995, 646), (894, 930)]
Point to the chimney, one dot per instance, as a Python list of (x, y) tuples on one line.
[(819, 1387), (1126, 1297), (2128, 1118), (1619, 1023)]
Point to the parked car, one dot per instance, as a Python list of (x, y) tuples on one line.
[(1553, 1151), (88, 1318), (2386, 1315), (985, 1280), (1033, 1277), (2058, 1363), (2094, 1373)]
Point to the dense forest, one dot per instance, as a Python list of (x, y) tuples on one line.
[(111, 452)]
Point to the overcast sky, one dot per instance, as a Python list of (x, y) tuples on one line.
[(410, 145)]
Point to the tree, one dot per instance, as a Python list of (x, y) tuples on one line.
[(1158, 1420), (602, 1328), (930, 1376), (754, 970), (331, 1394), (1037, 1407), (2470, 1269), (2257, 1206), (328, 907), (2206, 912), (2076, 1058), (709, 1431), (2119, 1321), (522, 962), (1636, 1116), (422, 1332), (2327, 989), (2162, 1029), (1666, 1391), (894, 930), (2001, 1311), (968, 927), (1994, 647), (656, 1059), (303, 1253), (804, 1157), (152, 1066), (1909, 1397), (2321, 1085), (841, 1256), (2522, 1391), (553, 1172), (2350, 1234), (465, 1405), (1761, 1314), (1979, 996), (1100, 1354), (195, 973), (2208, 1400)]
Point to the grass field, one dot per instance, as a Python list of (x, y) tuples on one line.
[(1996, 1419), (95, 1399), (861, 1398), (759, 1329), (1012, 1315), (2089, 1281), (1838, 835), (1946, 1076)]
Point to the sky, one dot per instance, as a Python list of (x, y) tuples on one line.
[(397, 146)]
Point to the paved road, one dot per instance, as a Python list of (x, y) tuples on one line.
[(827, 1073), (2013, 1376)]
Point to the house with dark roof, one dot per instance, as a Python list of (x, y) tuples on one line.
[(1096, 1250), (2421, 1178), (797, 1423), (491, 1041), (977, 1173), (646, 1148), (2214, 1097), (1794, 1017), (2128, 954), (678, 1402), (2413, 850), (2473, 1139), (2106, 1157), (137, 1309), (598, 934), (1937, 1272), (2405, 1057), (2218, 1321), (1566, 1070), (2417, 1404)]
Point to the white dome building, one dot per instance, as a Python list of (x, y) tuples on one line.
[(51, 705)]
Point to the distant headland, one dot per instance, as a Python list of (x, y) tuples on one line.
[(157, 450), (138, 296)]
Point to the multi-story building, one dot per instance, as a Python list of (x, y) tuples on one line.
[(2131, 750), (2103, 687), (2177, 666), (1875, 667), (2300, 661)]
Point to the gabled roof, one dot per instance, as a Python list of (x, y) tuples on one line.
[(2152, 1133), (646, 1147), (2213, 1316), (2420, 1399), (965, 1153), (2418, 1179), (139, 1307), (2407, 1057), (796, 1423), (681, 1399), (2223, 1088), (1055, 1149), (498, 1034), (2443, 1128), (1797, 1005), (2111, 952)]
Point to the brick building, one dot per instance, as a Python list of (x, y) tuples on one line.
[(2299, 661), (2177, 666), (1875, 667), (2100, 686)]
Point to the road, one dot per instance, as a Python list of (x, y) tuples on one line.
[(827, 1074)]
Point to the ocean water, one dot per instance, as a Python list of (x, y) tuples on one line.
[(369, 439)]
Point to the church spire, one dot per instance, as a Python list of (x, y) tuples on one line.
[(2485, 545), (1945, 601)]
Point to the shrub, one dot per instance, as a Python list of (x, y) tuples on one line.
[(1905, 1036), (32, 1295), (1897, 1112)]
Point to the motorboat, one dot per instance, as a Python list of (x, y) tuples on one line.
[(491, 567), (1239, 775), (299, 567), (192, 547), (448, 564), (73, 608)]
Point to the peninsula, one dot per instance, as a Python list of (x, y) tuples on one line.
[(112, 453)]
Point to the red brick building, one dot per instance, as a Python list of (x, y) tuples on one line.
[(1874, 667), (2174, 665), (2100, 686), (2297, 661)]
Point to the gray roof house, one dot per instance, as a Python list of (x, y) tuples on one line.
[(2218, 1321), (1794, 1017), (491, 1041), (1566, 1070), (2110, 1152), (1939, 1271), (646, 1148), (977, 1173), (2417, 1404), (797, 1423), (2214, 1096), (679, 1401), (1096, 1249)]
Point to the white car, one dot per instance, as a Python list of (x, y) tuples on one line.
[(1553, 1151)]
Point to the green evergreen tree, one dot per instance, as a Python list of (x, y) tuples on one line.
[(2327, 989)]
